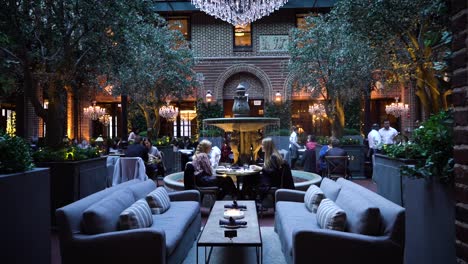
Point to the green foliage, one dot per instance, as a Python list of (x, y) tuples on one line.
[(163, 141), (351, 131), (353, 117), (205, 111), (345, 141), (14, 154), (65, 154), (281, 111), (432, 148)]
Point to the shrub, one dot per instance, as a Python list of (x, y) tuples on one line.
[(15, 154), (65, 154)]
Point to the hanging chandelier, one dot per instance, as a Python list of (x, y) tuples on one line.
[(168, 111), (239, 12), (105, 119), (317, 110), (93, 111), (397, 109)]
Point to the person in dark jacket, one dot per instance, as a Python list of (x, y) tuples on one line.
[(137, 150)]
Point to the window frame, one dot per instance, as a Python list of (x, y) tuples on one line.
[(242, 48), (189, 25)]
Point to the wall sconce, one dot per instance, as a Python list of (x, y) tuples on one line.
[(46, 104), (278, 97), (208, 96)]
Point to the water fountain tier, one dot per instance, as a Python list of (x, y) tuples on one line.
[(242, 123)]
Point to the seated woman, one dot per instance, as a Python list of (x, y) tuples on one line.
[(156, 166), (271, 171), (204, 173)]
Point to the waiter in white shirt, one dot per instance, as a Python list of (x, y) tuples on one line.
[(388, 133), (374, 140), (293, 147)]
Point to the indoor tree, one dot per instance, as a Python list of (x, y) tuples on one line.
[(56, 47), (415, 33), (152, 64), (332, 62)]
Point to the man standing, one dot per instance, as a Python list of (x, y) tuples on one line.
[(374, 140), (388, 133), (293, 147)]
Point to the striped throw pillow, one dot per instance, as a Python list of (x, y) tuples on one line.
[(138, 215), (330, 216), (158, 200), (313, 197)]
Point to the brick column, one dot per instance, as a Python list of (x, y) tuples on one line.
[(460, 100)]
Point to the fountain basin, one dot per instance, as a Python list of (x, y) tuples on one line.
[(302, 180)]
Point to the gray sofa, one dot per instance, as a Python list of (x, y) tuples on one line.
[(303, 241), (168, 240)]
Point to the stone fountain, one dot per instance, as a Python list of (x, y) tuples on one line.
[(245, 130)]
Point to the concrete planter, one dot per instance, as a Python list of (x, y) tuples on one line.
[(73, 180), (386, 174), (430, 218), (25, 225)]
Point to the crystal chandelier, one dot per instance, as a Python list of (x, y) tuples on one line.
[(397, 109), (239, 12), (93, 111), (317, 110), (105, 119), (168, 111)]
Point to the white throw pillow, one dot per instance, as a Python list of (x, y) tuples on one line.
[(330, 216), (158, 200), (313, 197), (138, 215)]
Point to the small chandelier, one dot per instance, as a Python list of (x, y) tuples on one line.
[(105, 119), (168, 111), (317, 110), (93, 111), (239, 12), (397, 109)]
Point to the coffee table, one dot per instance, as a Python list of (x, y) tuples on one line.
[(212, 234)]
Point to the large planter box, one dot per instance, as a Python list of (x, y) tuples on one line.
[(72, 180), (430, 220), (25, 223), (386, 175), (356, 163)]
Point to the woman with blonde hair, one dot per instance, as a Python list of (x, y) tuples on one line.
[(272, 165), (204, 173)]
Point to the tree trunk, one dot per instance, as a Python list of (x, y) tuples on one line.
[(56, 115), (157, 122), (337, 118)]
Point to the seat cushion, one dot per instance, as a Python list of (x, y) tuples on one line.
[(313, 197), (330, 216), (176, 221), (158, 200), (362, 216), (330, 188), (138, 215), (293, 216), (103, 216)]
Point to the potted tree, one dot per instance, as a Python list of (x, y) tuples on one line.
[(24, 191)]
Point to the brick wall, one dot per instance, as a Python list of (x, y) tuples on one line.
[(460, 100)]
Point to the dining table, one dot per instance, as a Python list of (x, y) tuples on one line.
[(238, 173)]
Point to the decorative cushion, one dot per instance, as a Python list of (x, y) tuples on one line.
[(362, 216), (158, 200), (138, 215), (330, 188), (103, 216), (330, 216), (313, 197)]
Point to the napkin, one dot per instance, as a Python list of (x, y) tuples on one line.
[(232, 222)]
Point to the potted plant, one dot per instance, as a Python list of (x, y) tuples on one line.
[(24, 191), (74, 173)]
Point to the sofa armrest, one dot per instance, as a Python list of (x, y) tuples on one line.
[(287, 195), (188, 195), (329, 246), (129, 246)]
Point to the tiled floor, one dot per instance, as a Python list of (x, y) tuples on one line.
[(266, 220)]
